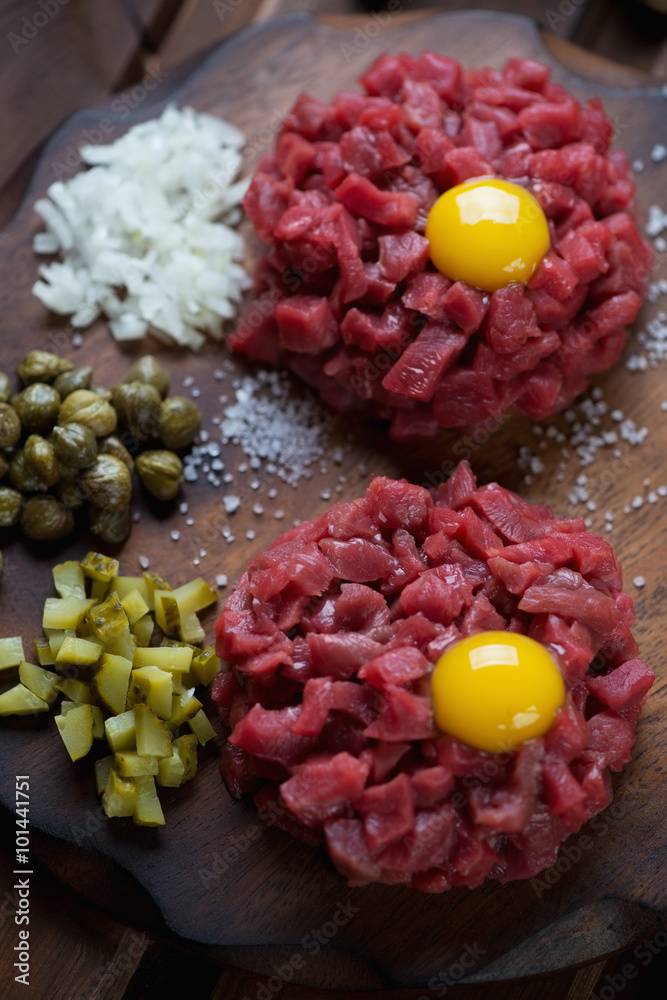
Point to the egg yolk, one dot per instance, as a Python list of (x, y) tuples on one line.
[(487, 232), (494, 690)]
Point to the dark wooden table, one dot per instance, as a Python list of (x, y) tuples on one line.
[(53, 65)]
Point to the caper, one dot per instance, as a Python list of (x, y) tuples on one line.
[(137, 405), (107, 483), (68, 488), (150, 371), (41, 366), (37, 406), (11, 504), (178, 421), (10, 426), (160, 472), (74, 445), (6, 390), (84, 406), (40, 459), (21, 477), (77, 378), (111, 526), (113, 445), (46, 519)]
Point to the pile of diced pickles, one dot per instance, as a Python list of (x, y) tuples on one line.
[(116, 686)]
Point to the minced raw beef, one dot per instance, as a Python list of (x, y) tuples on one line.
[(346, 293), (329, 640)]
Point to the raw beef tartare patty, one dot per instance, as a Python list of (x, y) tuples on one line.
[(347, 294), (330, 639)]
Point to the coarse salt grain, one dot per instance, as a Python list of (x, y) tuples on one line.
[(231, 503), (639, 581), (221, 580)]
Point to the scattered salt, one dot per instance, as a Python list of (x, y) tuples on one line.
[(144, 562), (657, 221), (231, 503), (274, 428), (639, 581), (221, 580)]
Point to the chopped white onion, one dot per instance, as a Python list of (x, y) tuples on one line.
[(138, 235)]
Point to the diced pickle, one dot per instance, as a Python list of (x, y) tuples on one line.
[(99, 590), (19, 700), (98, 723), (112, 681), (41, 682), (151, 686), (76, 729), (68, 580), (99, 567), (201, 727), (11, 651), (81, 652), (128, 764), (194, 596), (148, 811), (124, 585), (191, 629), (170, 771), (76, 690), (121, 732), (186, 748), (56, 637), (167, 614), (154, 582), (65, 612), (45, 657), (205, 664), (120, 795), (134, 606), (102, 771), (171, 658), (108, 619), (143, 630), (122, 645), (153, 737), (184, 706)]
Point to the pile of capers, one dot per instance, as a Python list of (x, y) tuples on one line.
[(65, 446)]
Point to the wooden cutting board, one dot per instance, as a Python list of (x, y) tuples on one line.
[(217, 874)]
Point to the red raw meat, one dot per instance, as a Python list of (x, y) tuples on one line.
[(342, 205), (327, 688)]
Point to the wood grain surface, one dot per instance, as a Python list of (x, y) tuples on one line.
[(272, 891)]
